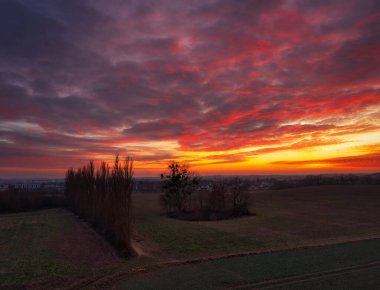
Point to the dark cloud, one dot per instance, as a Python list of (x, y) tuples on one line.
[(158, 129), (27, 34)]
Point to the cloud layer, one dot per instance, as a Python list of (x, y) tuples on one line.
[(229, 86)]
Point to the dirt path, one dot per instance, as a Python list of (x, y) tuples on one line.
[(144, 247), (97, 251), (79, 243), (138, 248)]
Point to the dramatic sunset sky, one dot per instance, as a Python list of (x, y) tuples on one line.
[(232, 87)]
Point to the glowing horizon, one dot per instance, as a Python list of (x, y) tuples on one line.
[(230, 87)]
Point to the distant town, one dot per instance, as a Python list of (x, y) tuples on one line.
[(255, 182), (32, 184)]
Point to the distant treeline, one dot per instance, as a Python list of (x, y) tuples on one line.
[(316, 180), (269, 182), (103, 197), (13, 200), (147, 185)]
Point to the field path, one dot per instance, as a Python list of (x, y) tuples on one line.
[(74, 235)]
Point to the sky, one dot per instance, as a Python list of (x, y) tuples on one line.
[(230, 87)]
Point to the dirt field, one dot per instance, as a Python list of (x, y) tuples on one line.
[(53, 248)]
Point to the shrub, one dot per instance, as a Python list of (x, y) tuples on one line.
[(227, 199), (241, 200), (215, 204)]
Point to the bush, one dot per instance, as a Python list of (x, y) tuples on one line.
[(227, 199), (104, 199), (215, 203), (240, 197)]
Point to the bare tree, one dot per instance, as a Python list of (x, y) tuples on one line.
[(104, 198)]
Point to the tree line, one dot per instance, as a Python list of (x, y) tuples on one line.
[(319, 180), (14, 200), (103, 197)]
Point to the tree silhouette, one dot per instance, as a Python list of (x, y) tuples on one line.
[(178, 185)]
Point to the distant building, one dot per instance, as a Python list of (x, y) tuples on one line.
[(261, 185), (265, 185), (27, 186), (206, 187), (52, 185)]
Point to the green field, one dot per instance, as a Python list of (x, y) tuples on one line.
[(284, 218), (52, 248), (354, 265), (49, 246), (25, 253)]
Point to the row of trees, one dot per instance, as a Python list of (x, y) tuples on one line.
[(182, 198), (103, 197)]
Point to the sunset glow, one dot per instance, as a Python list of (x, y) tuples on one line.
[(231, 87)]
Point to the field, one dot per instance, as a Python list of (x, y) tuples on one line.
[(283, 218), (354, 265), (52, 248), (49, 246)]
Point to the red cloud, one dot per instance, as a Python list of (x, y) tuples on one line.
[(371, 161)]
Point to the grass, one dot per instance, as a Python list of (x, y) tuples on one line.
[(284, 218), (52, 248), (235, 271), (25, 249), (182, 239)]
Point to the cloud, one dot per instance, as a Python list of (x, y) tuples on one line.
[(215, 75), (362, 161)]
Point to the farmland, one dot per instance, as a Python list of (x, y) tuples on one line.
[(283, 218), (55, 248), (352, 265)]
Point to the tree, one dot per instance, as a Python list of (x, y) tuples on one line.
[(178, 185), (103, 197), (240, 196)]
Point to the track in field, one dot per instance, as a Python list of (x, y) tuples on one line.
[(287, 281)]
